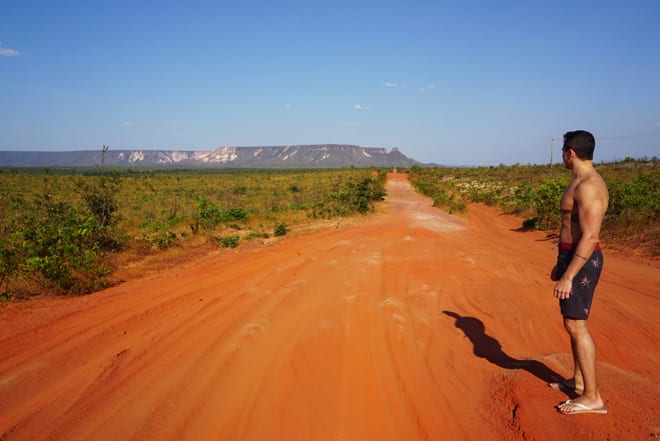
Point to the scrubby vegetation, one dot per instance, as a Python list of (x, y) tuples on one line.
[(533, 192), (66, 231), (62, 230)]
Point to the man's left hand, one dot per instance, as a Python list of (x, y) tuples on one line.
[(563, 288)]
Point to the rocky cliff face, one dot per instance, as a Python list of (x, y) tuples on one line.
[(303, 156)]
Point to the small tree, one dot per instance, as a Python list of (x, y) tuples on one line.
[(100, 198)]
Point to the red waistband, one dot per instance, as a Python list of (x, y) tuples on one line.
[(568, 246)]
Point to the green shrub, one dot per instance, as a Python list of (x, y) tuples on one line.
[(548, 196), (636, 200), (531, 222), (100, 198), (164, 239), (254, 235), (11, 258), (522, 198), (230, 241), (353, 197), (233, 214), (209, 216), (61, 246), (280, 229)]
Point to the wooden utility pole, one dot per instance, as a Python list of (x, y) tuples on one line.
[(552, 148)]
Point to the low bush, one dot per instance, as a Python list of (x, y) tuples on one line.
[(354, 197), (230, 241), (546, 203), (255, 235), (280, 229), (60, 244), (209, 216)]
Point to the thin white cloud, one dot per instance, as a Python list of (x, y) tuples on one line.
[(7, 52), (128, 124), (288, 106), (359, 107), (390, 84), (431, 87)]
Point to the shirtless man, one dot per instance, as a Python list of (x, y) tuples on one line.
[(578, 268)]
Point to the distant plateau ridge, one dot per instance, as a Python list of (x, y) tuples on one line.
[(301, 156)]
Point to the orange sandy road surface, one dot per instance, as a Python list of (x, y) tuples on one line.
[(413, 325)]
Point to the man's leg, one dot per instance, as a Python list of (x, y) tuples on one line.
[(584, 353), (578, 380)]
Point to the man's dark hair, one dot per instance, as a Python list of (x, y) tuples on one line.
[(581, 142)]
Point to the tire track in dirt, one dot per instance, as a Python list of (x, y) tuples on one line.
[(413, 325)]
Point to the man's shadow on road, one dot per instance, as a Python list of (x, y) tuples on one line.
[(489, 348)]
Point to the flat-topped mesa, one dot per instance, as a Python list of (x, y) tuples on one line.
[(291, 156)]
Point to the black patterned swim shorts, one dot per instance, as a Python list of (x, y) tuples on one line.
[(578, 305)]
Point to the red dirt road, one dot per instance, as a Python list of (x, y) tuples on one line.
[(413, 325)]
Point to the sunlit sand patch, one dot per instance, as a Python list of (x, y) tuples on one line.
[(468, 259), (253, 330), (423, 296), (249, 332), (399, 319), (423, 289), (399, 325), (375, 259), (357, 250), (9, 378), (24, 370), (390, 304), (429, 292), (424, 216), (435, 221)]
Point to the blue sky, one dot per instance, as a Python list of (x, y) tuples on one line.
[(450, 82)]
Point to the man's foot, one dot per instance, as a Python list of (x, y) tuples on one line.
[(570, 407), (566, 385)]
